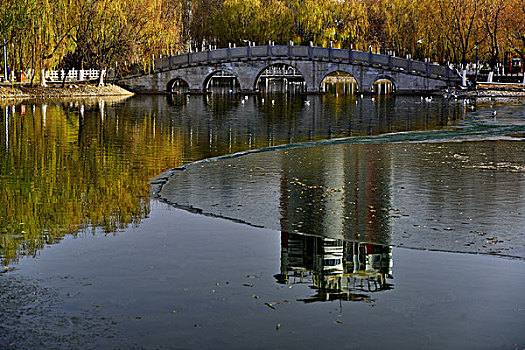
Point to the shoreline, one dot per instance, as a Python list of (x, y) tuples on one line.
[(21, 91), (17, 91)]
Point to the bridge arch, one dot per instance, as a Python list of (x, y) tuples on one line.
[(339, 80), (226, 76), (287, 75), (177, 85), (383, 85)]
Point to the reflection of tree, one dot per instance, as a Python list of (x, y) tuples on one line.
[(67, 166), (336, 269), (61, 173)]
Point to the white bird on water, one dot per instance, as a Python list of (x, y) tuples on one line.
[(494, 114), (307, 102), (273, 102), (262, 100)]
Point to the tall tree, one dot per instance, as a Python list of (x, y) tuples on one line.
[(514, 23), (459, 21), (491, 13)]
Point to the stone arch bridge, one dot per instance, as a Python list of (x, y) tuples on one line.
[(247, 64)]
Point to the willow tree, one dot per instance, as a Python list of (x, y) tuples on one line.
[(351, 24), (15, 18), (199, 20), (396, 25), (258, 21), (107, 31), (314, 21), (236, 21), (41, 35), (274, 21)]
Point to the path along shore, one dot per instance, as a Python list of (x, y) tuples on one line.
[(493, 90), (17, 91)]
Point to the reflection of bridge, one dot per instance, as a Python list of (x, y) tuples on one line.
[(337, 269), (247, 64)]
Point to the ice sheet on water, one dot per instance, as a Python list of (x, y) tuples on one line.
[(454, 196)]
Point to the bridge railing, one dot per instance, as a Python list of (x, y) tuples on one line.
[(297, 52)]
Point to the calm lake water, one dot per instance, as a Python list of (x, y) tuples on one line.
[(340, 221)]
